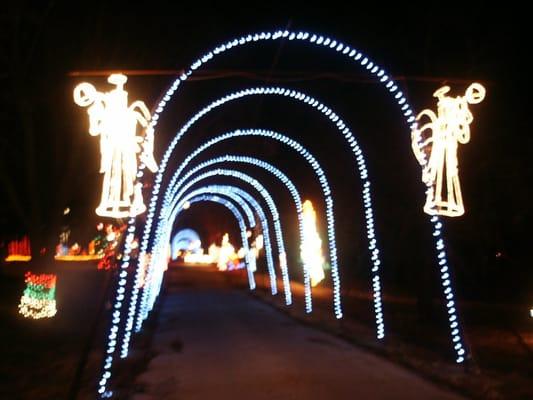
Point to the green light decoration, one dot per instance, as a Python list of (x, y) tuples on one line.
[(38, 300)]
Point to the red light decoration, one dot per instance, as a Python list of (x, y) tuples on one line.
[(19, 250)]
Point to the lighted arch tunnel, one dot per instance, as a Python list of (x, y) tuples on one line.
[(302, 151), (202, 197), (222, 191), (346, 133), (155, 275), (373, 70), (160, 239), (391, 88), (242, 197), (237, 195), (171, 204), (366, 190)]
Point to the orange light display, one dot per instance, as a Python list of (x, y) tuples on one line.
[(19, 250)]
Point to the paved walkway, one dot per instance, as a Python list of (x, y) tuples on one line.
[(224, 344)]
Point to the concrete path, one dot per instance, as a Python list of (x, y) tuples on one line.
[(223, 344)]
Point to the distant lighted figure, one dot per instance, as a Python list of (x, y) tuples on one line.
[(116, 123), (311, 247), (225, 253), (438, 139)]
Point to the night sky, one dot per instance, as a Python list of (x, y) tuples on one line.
[(49, 161)]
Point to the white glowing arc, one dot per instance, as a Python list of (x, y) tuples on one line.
[(145, 306), (306, 155), (314, 39)]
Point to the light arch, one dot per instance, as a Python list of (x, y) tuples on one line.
[(215, 198), (348, 52), (235, 193), (273, 210), (155, 274), (293, 191), (296, 146), (345, 131)]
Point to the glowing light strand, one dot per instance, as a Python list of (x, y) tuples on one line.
[(354, 55), (264, 193), (283, 178), (451, 307), (322, 180), (363, 173), (303, 36), (314, 39), (242, 197), (270, 203), (116, 312), (235, 197)]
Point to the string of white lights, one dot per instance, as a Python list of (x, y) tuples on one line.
[(341, 126), (156, 280), (171, 191), (453, 318), (116, 313), (149, 293), (271, 169), (302, 36), (234, 195), (319, 172), (236, 198), (167, 210)]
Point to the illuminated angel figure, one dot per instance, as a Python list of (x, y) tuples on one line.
[(116, 123), (435, 147)]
